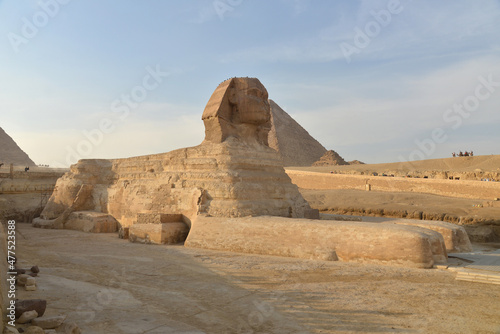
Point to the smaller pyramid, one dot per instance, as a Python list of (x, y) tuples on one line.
[(330, 158), (11, 153), (356, 162)]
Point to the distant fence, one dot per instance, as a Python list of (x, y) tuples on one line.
[(31, 175), (26, 188)]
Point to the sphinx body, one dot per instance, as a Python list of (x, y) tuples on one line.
[(233, 173), (230, 193)]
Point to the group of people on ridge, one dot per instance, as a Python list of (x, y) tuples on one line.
[(462, 154)]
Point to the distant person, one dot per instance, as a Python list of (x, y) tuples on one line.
[(460, 154), (471, 153), (466, 154), (454, 154), (26, 169)]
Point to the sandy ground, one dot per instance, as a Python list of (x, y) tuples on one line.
[(410, 205), (394, 204), (109, 285), (484, 163)]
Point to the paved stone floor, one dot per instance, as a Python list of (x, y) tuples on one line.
[(481, 266)]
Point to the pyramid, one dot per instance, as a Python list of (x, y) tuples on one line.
[(11, 153), (293, 143), (331, 158)]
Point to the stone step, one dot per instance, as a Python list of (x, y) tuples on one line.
[(479, 277)]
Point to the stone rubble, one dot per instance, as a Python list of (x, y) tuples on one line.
[(49, 322), (27, 317), (39, 305)]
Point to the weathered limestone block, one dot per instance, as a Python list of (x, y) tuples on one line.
[(30, 281), (455, 237), (69, 328), (163, 233), (158, 218), (11, 330), (21, 279), (89, 221), (322, 240), (49, 322), (39, 305), (34, 330), (27, 317)]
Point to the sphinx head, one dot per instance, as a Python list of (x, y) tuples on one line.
[(238, 108)]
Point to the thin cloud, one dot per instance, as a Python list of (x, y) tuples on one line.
[(395, 119), (304, 51)]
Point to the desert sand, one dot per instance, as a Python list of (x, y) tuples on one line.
[(109, 285), (459, 165), (415, 205), (402, 204)]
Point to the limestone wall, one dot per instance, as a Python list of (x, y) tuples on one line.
[(451, 188), (24, 186), (28, 182), (22, 194), (31, 174)]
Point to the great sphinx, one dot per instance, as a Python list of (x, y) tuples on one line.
[(230, 193), (232, 173)]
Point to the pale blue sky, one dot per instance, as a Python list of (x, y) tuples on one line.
[(400, 82)]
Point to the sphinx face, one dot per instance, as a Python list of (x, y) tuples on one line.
[(251, 100), (238, 108)]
